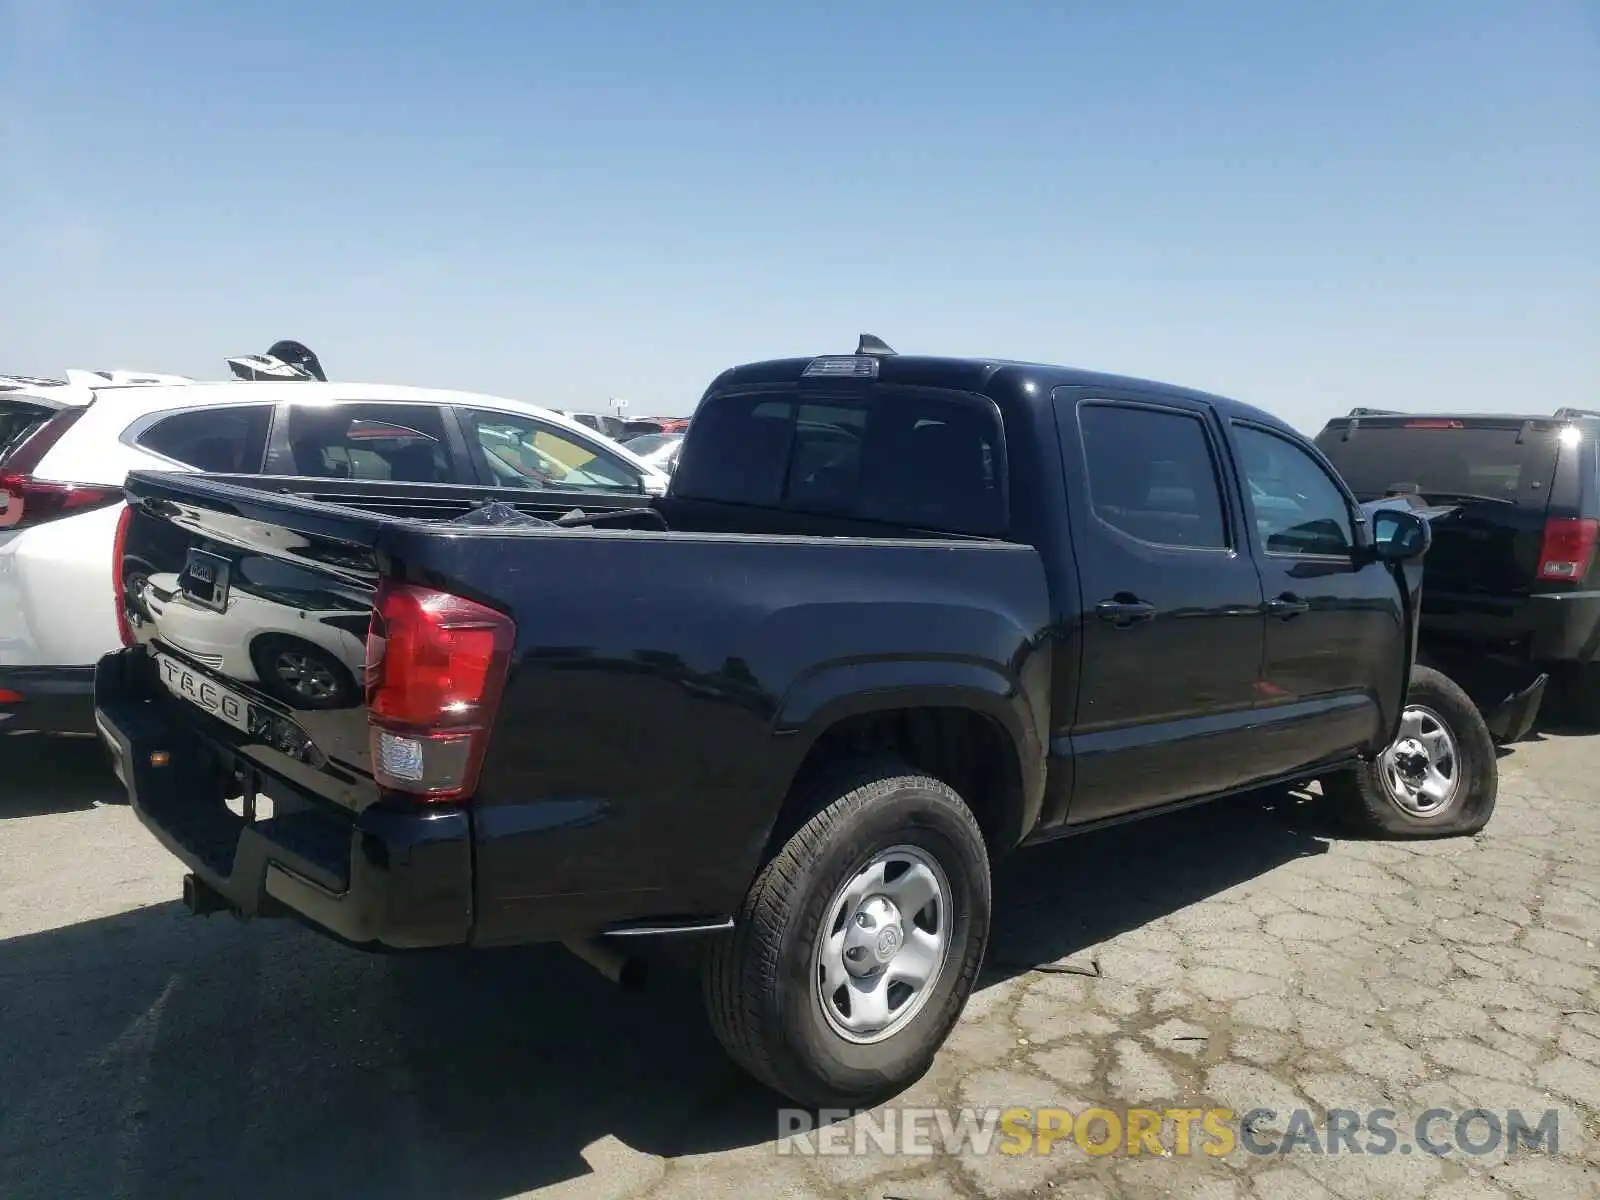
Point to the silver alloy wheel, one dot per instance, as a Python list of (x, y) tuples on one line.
[(305, 676), (884, 943), (1421, 768)]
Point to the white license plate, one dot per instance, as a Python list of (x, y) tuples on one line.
[(204, 693)]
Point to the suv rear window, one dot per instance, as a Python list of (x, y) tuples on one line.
[(218, 441), (931, 460), (18, 419), (1442, 457)]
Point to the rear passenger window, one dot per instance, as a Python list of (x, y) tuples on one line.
[(218, 441), (1152, 475), (924, 460), (401, 443)]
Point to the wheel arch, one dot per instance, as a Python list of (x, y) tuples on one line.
[(964, 723)]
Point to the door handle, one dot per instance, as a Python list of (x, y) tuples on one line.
[(1286, 606), (1124, 610)]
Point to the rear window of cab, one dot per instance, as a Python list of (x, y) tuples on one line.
[(910, 457)]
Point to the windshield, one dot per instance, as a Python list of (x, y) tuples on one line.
[(1445, 461)]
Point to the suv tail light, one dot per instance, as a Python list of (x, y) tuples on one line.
[(30, 501), (119, 584), (1568, 550), (436, 665)]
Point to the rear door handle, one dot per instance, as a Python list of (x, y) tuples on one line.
[(1287, 605), (1124, 610)]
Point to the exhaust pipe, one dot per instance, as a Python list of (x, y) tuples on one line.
[(200, 898), (625, 970)]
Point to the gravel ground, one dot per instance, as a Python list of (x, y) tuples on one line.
[(1238, 956)]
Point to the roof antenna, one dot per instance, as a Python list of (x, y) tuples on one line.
[(875, 346)]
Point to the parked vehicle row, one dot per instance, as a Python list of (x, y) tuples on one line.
[(622, 429), (68, 449), (892, 618)]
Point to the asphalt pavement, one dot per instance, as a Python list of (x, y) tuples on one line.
[(1242, 956)]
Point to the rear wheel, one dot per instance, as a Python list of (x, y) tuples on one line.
[(1438, 778), (858, 943)]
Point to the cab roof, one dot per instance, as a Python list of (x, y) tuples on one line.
[(984, 376)]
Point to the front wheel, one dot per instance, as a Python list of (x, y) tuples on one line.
[(1438, 778), (858, 943)]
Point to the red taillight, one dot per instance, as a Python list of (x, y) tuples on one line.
[(32, 501), (9, 697), (1433, 423), (119, 584), (1568, 549), (436, 664)]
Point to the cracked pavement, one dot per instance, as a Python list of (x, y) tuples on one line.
[(1238, 955)]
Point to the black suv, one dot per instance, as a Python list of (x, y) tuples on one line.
[(1517, 499)]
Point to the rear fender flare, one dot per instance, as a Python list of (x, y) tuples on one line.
[(822, 698)]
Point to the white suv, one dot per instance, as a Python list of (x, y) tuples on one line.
[(64, 457)]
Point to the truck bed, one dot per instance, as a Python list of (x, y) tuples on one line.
[(443, 502), (665, 685)]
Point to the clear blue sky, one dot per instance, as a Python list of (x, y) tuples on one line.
[(1305, 206)]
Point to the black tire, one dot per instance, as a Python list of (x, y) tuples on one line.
[(1367, 799), (759, 982)]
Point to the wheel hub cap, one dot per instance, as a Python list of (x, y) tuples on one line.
[(872, 936), (883, 944), (1412, 759), (1421, 769)]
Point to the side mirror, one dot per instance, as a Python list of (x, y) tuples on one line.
[(1399, 536)]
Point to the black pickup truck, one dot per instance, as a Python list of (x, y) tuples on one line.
[(1513, 589), (896, 617)]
